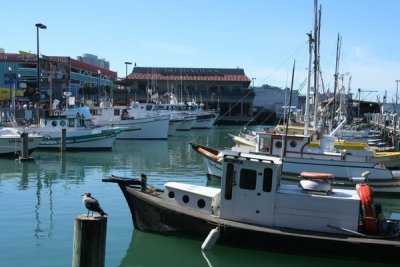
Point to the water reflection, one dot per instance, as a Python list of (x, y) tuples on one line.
[(157, 250)]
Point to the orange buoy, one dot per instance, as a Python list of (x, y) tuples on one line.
[(371, 223)]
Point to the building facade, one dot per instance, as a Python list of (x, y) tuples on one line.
[(18, 75), (224, 89)]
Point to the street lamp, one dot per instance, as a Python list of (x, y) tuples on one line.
[(98, 85), (253, 81), (38, 26), (126, 80), (10, 82)]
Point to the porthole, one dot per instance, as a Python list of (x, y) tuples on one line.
[(54, 123), (293, 143), (185, 199), (63, 123), (278, 144), (201, 203), (171, 194)]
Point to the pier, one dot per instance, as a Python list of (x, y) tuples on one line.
[(388, 123)]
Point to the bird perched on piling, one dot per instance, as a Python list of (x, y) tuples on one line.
[(92, 204)]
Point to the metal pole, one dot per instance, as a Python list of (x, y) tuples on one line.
[(126, 80), (397, 91), (359, 101), (307, 107), (10, 81), (395, 118), (38, 26), (98, 86)]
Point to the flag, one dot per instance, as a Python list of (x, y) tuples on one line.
[(154, 96)]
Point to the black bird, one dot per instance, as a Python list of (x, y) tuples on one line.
[(92, 204)]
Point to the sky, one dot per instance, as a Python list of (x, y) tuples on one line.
[(263, 37)]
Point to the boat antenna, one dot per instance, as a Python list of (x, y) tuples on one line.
[(288, 113)]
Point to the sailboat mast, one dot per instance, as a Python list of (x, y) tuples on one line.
[(288, 114), (307, 108), (316, 59), (339, 42)]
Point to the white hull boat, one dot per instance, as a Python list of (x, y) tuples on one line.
[(295, 160), (80, 134), (11, 141), (135, 126)]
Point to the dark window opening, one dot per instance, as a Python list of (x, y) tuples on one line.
[(248, 179), (201, 203), (267, 180), (229, 181)]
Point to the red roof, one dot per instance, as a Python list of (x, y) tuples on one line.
[(159, 77)]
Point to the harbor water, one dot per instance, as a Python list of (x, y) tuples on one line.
[(40, 199)]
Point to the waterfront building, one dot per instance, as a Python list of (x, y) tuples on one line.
[(58, 74), (226, 90)]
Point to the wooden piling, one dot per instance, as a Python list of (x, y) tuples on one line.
[(63, 139), (24, 155), (89, 245)]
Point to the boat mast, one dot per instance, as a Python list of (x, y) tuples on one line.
[(288, 114), (339, 43), (307, 108), (316, 58)]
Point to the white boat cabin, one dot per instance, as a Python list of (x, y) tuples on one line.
[(66, 122), (251, 193)]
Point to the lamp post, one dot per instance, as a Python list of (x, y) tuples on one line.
[(10, 82), (98, 86), (126, 80), (38, 26), (253, 81)]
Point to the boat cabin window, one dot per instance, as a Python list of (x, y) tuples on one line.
[(201, 203), (117, 112), (278, 144), (54, 123), (230, 176), (71, 123), (248, 179), (62, 123), (293, 143), (267, 179)]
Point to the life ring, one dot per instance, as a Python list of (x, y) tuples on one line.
[(371, 223)]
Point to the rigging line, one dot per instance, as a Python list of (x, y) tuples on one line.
[(287, 59), (301, 86)]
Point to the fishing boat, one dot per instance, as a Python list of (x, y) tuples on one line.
[(134, 126), (297, 158), (191, 115), (11, 140), (80, 133), (254, 210)]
